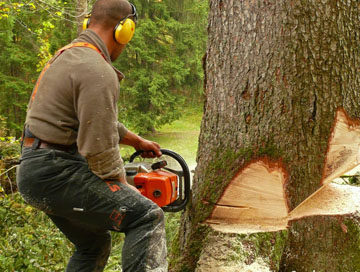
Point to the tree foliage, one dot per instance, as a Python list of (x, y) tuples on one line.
[(163, 73), (162, 63), (27, 41), (29, 245)]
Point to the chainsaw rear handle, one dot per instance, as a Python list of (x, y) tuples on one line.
[(174, 207), (139, 152)]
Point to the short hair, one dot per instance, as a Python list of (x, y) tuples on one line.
[(109, 12)]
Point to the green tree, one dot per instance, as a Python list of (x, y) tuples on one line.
[(27, 41), (162, 64), (18, 61)]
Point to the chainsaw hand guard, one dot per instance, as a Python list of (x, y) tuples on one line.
[(159, 181)]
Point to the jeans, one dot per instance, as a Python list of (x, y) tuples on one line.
[(85, 208)]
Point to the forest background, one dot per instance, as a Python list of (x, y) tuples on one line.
[(162, 64), (164, 81)]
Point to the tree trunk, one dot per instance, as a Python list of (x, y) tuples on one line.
[(279, 123)]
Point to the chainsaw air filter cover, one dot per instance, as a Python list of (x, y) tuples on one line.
[(159, 186), (164, 180)]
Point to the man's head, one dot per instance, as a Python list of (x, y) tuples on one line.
[(106, 16)]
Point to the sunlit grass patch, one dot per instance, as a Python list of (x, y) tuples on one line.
[(180, 136)]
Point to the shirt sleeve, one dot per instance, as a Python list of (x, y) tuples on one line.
[(96, 92), (122, 130), (107, 165)]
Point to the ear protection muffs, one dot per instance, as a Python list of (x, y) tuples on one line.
[(124, 30), (86, 22)]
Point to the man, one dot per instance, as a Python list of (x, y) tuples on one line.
[(71, 166)]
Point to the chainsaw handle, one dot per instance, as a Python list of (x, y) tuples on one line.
[(174, 207), (139, 152)]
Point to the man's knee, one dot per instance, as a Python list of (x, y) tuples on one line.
[(156, 214), (152, 217)]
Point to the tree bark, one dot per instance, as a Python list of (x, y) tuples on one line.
[(278, 73)]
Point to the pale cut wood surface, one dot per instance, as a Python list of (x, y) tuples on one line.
[(255, 201), (330, 199), (344, 146)]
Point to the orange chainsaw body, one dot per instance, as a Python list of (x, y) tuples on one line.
[(159, 186)]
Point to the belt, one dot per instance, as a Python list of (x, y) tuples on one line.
[(28, 142)]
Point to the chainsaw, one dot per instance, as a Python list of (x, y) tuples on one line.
[(164, 180)]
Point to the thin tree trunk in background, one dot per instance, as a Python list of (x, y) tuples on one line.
[(82, 10), (278, 73)]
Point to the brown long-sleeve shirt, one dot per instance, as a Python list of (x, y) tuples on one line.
[(76, 102)]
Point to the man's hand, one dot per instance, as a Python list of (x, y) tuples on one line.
[(151, 149)]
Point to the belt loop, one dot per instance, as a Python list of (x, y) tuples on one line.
[(35, 144)]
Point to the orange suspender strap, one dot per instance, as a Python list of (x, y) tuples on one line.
[(58, 53)]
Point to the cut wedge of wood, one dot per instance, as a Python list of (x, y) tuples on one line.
[(254, 201), (330, 199), (344, 147)]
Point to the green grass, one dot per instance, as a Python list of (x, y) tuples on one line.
[(181, 136)]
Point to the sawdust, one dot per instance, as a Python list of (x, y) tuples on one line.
[(258, 266), (253, 226), (227, 253)]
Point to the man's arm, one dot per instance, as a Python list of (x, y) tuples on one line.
[(150, 148), (140, 143)]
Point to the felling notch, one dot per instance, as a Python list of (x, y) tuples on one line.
[(255, 201)]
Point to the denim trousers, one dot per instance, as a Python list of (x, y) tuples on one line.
[(86, 208)]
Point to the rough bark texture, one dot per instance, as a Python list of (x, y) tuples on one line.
[(276, 74), (323, 243)]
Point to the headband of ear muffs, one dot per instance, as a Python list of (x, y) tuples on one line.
[(124, 30)]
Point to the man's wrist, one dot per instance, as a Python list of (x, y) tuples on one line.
[(132, 139)]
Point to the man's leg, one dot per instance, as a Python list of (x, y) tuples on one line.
[(92, 247), (70, 190), (122, 209), (145, 244)]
